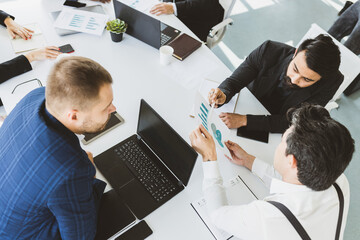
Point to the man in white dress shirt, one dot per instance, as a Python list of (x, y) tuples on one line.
[(308, 163)]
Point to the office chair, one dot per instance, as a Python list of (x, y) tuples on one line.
[(217, 32), (349, 66)]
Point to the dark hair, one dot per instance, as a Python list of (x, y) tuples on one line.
[(322, 147), (75, 80), (322, 55)]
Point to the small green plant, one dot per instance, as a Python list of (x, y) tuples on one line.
[(116, 26)]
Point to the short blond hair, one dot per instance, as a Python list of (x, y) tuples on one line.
[(76, 81)]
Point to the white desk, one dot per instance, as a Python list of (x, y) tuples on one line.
[(137, 74)]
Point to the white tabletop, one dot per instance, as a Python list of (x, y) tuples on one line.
[(170, 90)]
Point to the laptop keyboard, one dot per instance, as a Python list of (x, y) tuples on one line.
[(164, 38), (155, 182)]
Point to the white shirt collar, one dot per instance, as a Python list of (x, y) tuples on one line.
[(278, 186)]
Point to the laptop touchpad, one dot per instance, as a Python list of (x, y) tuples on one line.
[(118, 176), (113, 169)]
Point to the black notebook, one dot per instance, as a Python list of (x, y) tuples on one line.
[(184, 45), (261, 136)]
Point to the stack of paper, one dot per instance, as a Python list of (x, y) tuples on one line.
[(81, 21)]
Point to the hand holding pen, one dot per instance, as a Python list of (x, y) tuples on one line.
[(216, 96)]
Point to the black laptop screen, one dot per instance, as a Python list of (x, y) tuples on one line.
[(173, 150), (140, 25)]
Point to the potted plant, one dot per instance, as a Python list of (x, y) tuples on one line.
[(116, 27)]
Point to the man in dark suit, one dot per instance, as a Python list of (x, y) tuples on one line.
[(282, 77), (198, 15)]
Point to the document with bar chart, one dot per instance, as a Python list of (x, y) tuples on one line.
[(213, 124), (81, 21)]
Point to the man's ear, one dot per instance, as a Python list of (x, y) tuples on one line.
[(72, 115), (295, 53), (292, 161)]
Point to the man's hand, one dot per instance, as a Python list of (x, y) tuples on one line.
[(103, 1), (203, 143), (15, 29), (239, 156), (43, 53), (162, 8), (233, 120), (217, 96)]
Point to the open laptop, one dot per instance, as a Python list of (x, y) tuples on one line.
[(150, 167), (144, 27)]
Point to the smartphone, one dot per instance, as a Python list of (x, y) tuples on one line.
[(74, 3), (66, 48), (138, 232), (115, 120)]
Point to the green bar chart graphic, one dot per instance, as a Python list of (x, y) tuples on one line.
[(204, 115)]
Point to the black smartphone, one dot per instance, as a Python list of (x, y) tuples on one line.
[(138, 232), (66, 48), (74, 3)]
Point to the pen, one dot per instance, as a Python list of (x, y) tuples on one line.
[(211, 111)]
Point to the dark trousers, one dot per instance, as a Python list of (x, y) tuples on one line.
[(348, 24)]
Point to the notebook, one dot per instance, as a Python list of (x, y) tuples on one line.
[(37, 40), (184, 45), (150, 167)]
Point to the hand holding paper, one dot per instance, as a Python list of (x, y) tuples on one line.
[(203, 143), (239, 155), (212, 123)]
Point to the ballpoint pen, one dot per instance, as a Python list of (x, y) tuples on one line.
[(211, 111)]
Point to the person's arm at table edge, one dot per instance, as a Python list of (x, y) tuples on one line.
[(14, 67), (21, 64), (245, 73), (278, 123), (4, 16)]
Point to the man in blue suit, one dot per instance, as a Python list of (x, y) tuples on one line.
[(48, 188)]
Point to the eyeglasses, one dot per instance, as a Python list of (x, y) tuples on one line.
[(35, 79)]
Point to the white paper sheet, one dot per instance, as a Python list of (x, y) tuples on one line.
[(81, 21), (211, 121)]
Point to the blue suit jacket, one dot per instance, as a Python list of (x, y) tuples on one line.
[(47, 185)]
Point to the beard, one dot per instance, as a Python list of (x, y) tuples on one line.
[(288, 84), (90, 126)]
